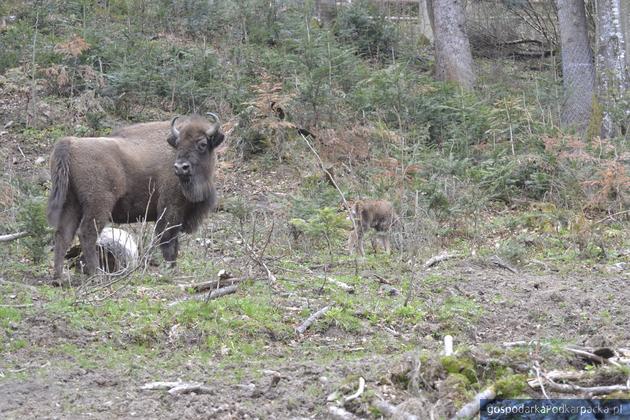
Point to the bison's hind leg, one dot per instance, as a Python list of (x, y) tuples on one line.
[(66, 228), (92, 223)]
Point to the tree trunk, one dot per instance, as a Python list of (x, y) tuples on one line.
[(453, 59), (425, 20), (612, 70), (578, 71)]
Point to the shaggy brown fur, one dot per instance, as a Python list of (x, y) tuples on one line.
[(133, 175), (376, 214)]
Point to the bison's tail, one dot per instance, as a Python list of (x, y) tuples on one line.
[(59, 174)]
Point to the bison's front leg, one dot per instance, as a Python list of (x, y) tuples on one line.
[(169, 241)]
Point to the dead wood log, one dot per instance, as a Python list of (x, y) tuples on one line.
[(340, 413), (591, 356), (13, 236), (344, 286), (214, 294), (177, 388), (211, 284), (217, 293), (393, 411), (555, 375), (472, 408), (439, 258), (311, 319), (586, 390)]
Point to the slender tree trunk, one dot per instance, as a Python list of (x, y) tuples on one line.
[(425, 19), (578, 70), (453, 59), (612, 70)]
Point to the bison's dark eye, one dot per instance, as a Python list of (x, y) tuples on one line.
[(202, 145)]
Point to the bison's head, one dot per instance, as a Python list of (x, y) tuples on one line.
[(195, 142)]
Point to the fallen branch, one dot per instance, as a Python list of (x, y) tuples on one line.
[(211, 284), (346, 287), (358, 393), (498, 261), (24, 305), (217, 293), (555, 375), (311, 319), (177, 388), (393, 411), (439, 258), (13, 236), (591, 356), (472, 408), (340, 413), (588, 390)]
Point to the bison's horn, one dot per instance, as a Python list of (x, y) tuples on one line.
[(174, 131), (215, 127)]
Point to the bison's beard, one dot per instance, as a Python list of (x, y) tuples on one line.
[(196, 189)]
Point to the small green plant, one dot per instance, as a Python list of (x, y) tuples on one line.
[(32, 219), (326, 224)]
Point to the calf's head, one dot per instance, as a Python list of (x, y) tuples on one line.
[(195, 142)]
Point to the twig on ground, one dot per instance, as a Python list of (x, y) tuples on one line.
[(439, 258), (258, 259), (23, 305), (498, 261), (539, 379), (176, 388), (13, 236), (311, 319), (382, 280), (473, 407), (359, 392)]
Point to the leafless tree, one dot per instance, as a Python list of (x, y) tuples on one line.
[(612, 68), (453, 59), (578, 70)]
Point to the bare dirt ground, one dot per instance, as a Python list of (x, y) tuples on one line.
[(288, 378)]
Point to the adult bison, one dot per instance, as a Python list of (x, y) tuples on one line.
[(158, 171)]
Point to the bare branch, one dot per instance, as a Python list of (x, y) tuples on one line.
[(311, 319)]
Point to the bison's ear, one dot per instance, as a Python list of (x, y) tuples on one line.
[(216, 140), (172, 140)]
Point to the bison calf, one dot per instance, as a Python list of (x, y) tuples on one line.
[(155, 171), (376, 214)]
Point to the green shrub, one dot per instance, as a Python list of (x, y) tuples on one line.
[(32, 219)]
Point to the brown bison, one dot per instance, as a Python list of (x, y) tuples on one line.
[(156, 171), (376, 214)]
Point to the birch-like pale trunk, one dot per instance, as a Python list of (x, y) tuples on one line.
[(612, 67)]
